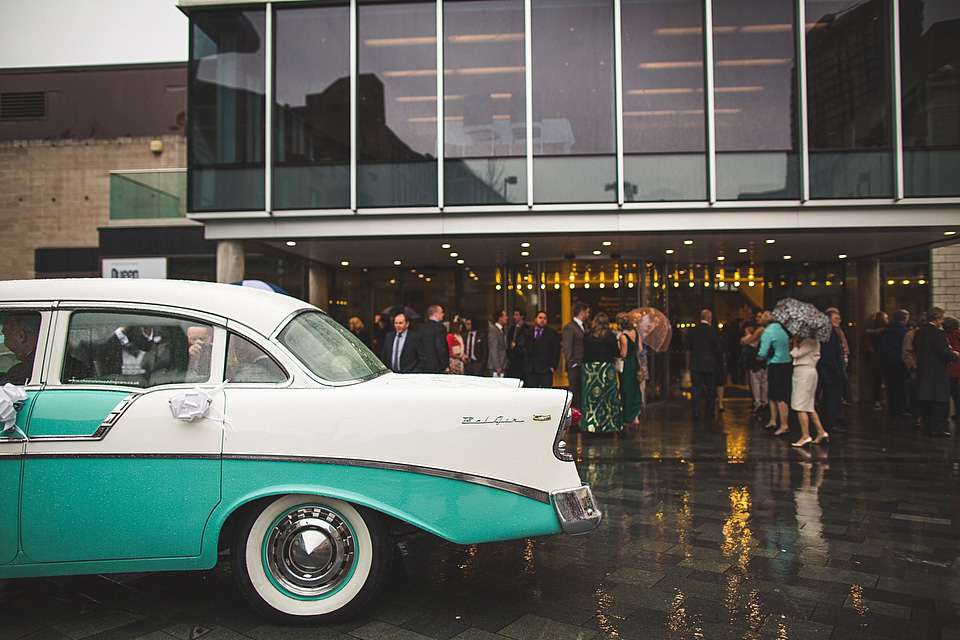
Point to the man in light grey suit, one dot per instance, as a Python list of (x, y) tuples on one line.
[(572, 343), (497, 345)]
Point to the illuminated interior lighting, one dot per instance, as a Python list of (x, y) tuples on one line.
[(498, 287), (787, 257), (842, 256), (445, 245), (461, 261), (754, 62), (890, 282), (454, 254), (679, 64), (721, 258), (524, 253), (742, 249), (669, 252), (344, 263), (906, 282), (949, 233), (921, 282), (525, 245), (501, 96), (770, 241), (597, 252), (291, 243), (397, 263), (766, 28), (688, 242), (659, 92), (400, 42), (472, 38), (607, 243)]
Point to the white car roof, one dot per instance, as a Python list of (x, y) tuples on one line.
[(258, 309)]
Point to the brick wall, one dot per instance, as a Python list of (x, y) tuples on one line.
[(945, 268), (57, 193)]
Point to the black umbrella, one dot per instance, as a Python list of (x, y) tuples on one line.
[(802, 319)]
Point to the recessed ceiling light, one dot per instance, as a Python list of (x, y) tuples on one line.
[(787, 257), (721, 258), (949, 233), (524, 244), (743, 249), (770, 241), (445, 245), (291, 243), (607, 243), (524, 253), (597, 252), (669, 252), (344, 263), (688, 242), (397, 262), (454, 254), (460, 261), (842, 256)]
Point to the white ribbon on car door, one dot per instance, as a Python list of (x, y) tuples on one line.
[(10, 395), (191, 404)]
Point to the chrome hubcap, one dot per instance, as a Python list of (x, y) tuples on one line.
[(310, 551)]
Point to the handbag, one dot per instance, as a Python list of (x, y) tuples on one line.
[(618, 364)]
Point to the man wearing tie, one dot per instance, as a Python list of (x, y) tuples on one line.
[(573, 349), (519, 333), (497, 345), (400, 347), (542, 354), (475, 349), (433, 354)]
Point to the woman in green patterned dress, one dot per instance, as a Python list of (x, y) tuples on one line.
[(601, 395), (629, 381)]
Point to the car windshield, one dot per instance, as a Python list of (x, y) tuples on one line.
[(328, 349)]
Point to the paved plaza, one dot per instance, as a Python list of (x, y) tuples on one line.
[(712, 529)]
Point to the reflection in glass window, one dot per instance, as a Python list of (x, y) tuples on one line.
[(848, 98), (397, 104), (248, 363), (484, 102), (573, 134), (136, 350), (312, 141), (227, 85), (754, 95), (930, 81), (663, 107)]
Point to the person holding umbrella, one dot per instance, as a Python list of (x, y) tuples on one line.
[(805, 353)]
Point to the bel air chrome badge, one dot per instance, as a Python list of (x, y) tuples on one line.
[(488, 420)]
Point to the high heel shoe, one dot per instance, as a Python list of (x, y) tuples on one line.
[(782, 432), (822, 438), (803, 442)]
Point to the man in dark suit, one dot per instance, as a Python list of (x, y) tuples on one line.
[(21, 332), (433, 354), (497, 345), (703, 347), (934, 357), (515, 352), (572, 343), (541, 353), (474, 348), (400, 347)]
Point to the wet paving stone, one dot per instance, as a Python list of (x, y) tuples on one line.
[(713, 529)]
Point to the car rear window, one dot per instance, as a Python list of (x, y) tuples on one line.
[(328, 349)]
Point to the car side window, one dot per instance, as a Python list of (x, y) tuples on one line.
[(138, 350), (246, 362), (21, 331)]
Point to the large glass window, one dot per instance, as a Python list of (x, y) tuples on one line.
[(573, 107), (397, 105), (485, 117), (227, 87), (312, 108), (930, 82), (664, 136), (754, 95), (848, 98)]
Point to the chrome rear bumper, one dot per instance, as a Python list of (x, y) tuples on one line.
[(576, 510)]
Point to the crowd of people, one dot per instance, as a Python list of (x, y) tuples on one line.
[(914, 365), (915, 370), (605, 362)]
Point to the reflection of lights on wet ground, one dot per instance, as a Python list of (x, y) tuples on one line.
[(737, 535), (856, 594), (678, 613), (467, 564), (528, 556), (737, 442)]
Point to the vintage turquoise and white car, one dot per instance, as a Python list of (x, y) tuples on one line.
[(148, 425)]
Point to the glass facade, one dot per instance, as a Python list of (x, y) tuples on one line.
[(226, 158), (571, 103), (311, 162), (930, 90), (849, 94)]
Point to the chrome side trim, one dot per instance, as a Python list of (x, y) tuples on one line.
[(101, 431), (527, 492), (123, 456), (577, 510)]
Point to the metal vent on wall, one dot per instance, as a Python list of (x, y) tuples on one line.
[(23, 105)]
